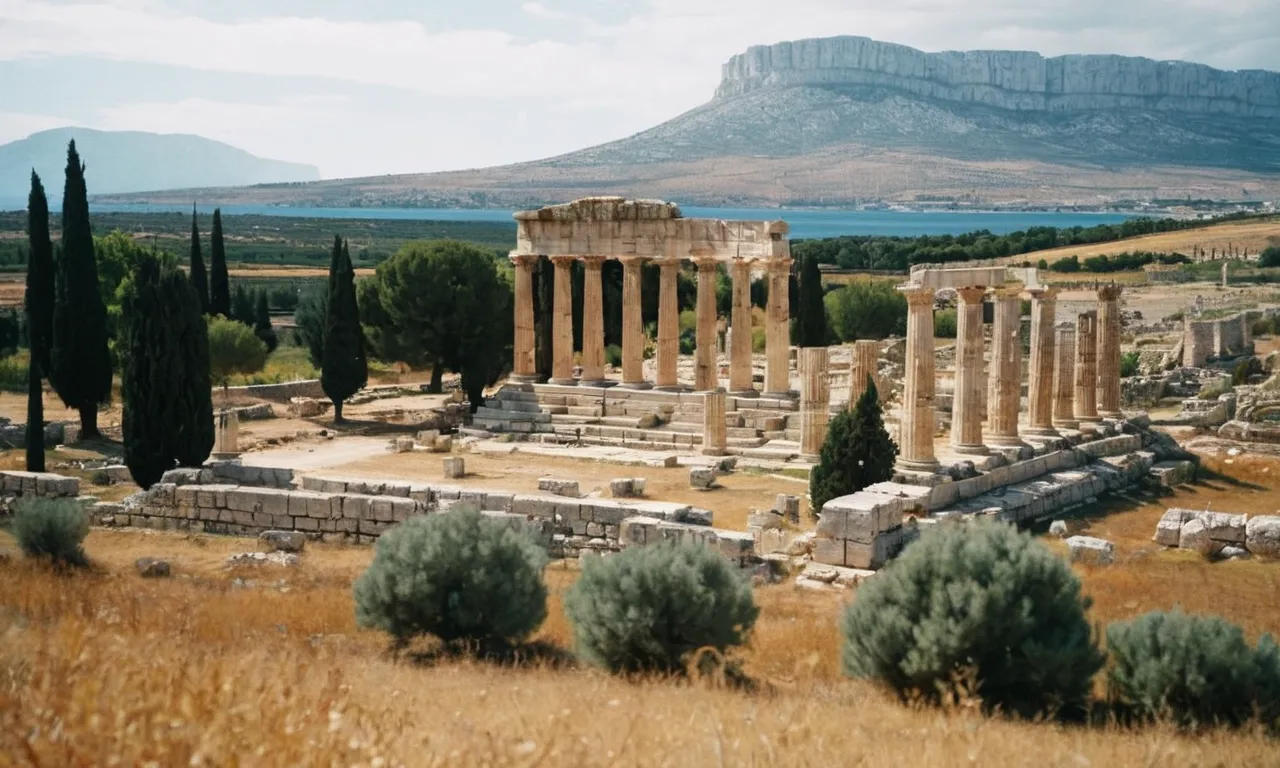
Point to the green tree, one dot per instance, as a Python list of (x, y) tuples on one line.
[(219, 285), (310, 317), (35, 418), (199, 280), (242, 305), (857, 452), (1270, 257), (441, 303), (80, 359), (811, 322), (867, 310), (233, 348), (40, 275), (262, 323), (165, 376), (343, 367)]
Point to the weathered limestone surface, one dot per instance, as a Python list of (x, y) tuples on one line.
[(632, 326), (740, 381), (1212, 533), (524, 365), (915, 442), (1044, 304), (714, 438), (777, 377), (1086, 399), (705, 353), (1091, 550), (592, 321), (1006, 369), (668, 324), (966, 409), (1109, 351), (1064, 383), (226, 435), (865, 364), (562, 322), (815, 400), (44, 484)]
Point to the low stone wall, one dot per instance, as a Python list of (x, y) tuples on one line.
[(55, 433), (24, 485), (281, 393), (1220, 534), (231, 473)]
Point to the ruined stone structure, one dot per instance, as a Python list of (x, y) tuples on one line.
[(864, 365), (1064, 379), (1086, 405), (1224, 338), (815, 398), (1109, 351)]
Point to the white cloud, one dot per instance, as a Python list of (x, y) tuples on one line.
[(20, 125), (541, 11)]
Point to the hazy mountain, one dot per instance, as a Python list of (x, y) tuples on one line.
[(131, 161), (836, 120)]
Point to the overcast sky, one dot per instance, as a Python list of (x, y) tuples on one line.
[(362, 87)]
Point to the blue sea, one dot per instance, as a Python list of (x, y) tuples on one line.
[(805, 223)]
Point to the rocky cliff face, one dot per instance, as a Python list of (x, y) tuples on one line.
[(1013, 80)]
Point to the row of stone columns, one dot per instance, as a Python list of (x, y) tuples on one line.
[(1070, 371), (777, 332)]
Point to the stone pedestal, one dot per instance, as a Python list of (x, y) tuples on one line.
[(705, 353), (592, 323), (632, 326), (524, 367), (562, 323), (777, 376), (966, 409), (866, 365), (1064, 382), (1044, 307), (815, 400), (1006, 370), (915, 443), (713, 423), (1109, 351), (740, 382), (1086, 399), (226, 435), (668, 325)]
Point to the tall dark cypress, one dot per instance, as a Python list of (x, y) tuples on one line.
[(40, 275), (219, 286), (35, 418), (199, 280), (262, 323), (811, 325), (165, 381), (80, 362), (344, 369)]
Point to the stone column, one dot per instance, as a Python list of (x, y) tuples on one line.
[(226, 436), (866, 363), (705, 378), (524, 368), (562, 323), (713, 424), (966, 408), (632, 326), (915, 444), (1044, 309), (1064, 381), (815, 399), (777, 376), (668, 324), (1086, 404), (1109, 351), (740, 381), (592, 323), (1006, 369)]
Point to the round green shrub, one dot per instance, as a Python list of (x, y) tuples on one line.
[(1192, 670), (457, 575), (52, 528), (613, 355), (977, 599), (646, 609)]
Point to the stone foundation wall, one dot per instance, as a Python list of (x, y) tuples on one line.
[(1223, 338), (17, 485)]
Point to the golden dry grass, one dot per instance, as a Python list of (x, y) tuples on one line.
[(1252, 236), (105, 667)]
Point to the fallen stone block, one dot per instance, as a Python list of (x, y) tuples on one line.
[(427, 437), (1091, 550), (702, 478), (151, 567), (788, 506), (401, 445), (285, 559), (559, 487), (626, 487), (1169, 474), (283, 541), (1262, 535), (1058, 528), (442, 444), (1169, 529), (820, 576), (454, 468), (1234, 553)]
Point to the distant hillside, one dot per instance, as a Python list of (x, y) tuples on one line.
[(131, 161), (838, 120)]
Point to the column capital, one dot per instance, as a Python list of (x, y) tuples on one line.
[(1009, 290), (562, 260), (593, 262), (523, 259), (706, 264), (779, 265), (1109, 292), (917, 295), (1048, 293), (632, 261), (971, 294)]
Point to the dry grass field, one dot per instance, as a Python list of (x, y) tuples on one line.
[(1252, 236), (267, 667)]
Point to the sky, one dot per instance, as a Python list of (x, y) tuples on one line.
[(372, 87)]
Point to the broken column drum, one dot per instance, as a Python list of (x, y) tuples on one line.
[(864, 366), (815, 399)]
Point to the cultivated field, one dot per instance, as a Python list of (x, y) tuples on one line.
[(1251, 236)]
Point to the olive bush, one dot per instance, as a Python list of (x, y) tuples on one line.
[(648, 608), (52, 528), (982, 600), (1192, 670), (459, 576)]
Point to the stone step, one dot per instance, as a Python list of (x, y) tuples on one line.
[(742, 432), (621, 421), (518, 406), (498, 414), (573, 419), (585, 410)]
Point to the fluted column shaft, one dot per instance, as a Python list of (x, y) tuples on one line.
[(1086, 404), (632, 325), (1006, 369), (668, 324), (713, 423), (1064, 383), (592, 322), (866, 364), (966, 408), (1044, 309), (740, 381), (815, 399), (704, 369), (524, 366), (915, 447), (562, 322), (777, 376), (1109, 351)]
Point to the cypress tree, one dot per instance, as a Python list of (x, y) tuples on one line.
[(40, 275), (80, 362), (857, 452), (35, 418), (165, 379), (219, 286), (241, 306), (199, 280), (262, 323), (344, 369), (811, 324)]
